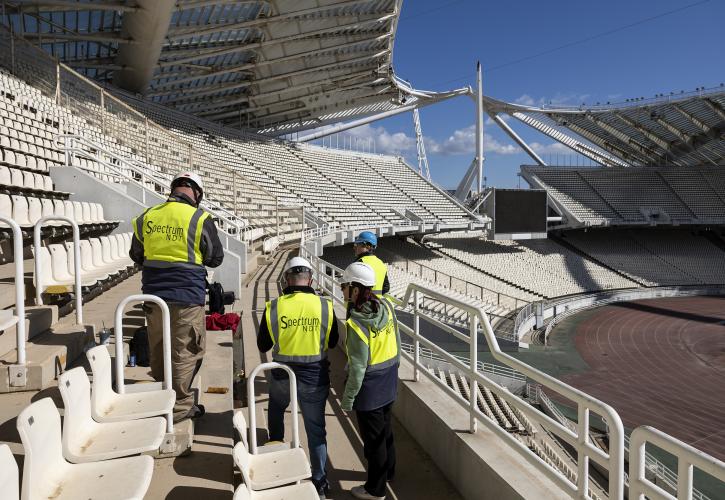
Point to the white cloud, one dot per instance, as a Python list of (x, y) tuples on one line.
[(558, 99), (385, 142), (525, 100), (463, 141), (552, 148)]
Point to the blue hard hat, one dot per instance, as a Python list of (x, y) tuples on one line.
[(367, 237)]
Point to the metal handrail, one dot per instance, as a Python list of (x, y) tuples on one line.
[(165, 341), (19, 287), (76, 262), (251, 403), (613, 461), (687, 457)]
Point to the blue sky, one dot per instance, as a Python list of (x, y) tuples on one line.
[(439, 41)]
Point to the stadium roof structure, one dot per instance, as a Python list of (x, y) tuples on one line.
[(671, 129), (275, 67)]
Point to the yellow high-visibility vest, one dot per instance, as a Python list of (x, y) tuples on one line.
[(381, 270), (171, 234), (383, 347), (300, 325)]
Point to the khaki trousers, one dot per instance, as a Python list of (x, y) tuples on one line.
[(188, 340)]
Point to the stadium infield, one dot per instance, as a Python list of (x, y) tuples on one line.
[(657, 362)]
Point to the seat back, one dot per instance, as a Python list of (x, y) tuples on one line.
[(20, 210), (78, 212), (17, 178), (240, 424), (241, 459), (70, 210), (93, 211), (59, 263), (101, 217), (5, 176), (39, 429), (87, 215), (97, 252), (101, 391), (59, 207), (45, 277), (28, 180), (75, 389), (46, 205), (107, 249), (35, 209), (9, 478), (6, 206)]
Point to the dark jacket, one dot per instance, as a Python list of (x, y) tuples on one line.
[(317, 373), (181, 285)]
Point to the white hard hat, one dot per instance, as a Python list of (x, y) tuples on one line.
[(295, 263), (359, 272), (192, 176)]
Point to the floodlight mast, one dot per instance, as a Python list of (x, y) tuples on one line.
[(479, 126)]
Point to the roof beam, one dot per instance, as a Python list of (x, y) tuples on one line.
[(621, 136), (147, 27), (101, 37), (693, 119), (248, 66), (715, 107), (186, 31), (625, 150), (197, 4), (659, 141), (275, 41), (251, 98), (268, 106), (68, 6), (210, 90)]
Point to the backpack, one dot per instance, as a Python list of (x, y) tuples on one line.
[(140, 346), (216, 298)]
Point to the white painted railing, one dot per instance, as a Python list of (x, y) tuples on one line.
[(687, 458), (166, 343), (76, 262), (17, 373), (579, 440), (251, 399)]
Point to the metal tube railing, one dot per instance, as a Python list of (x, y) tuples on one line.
[(252, 403), (165, 339), (613, 462), (687, 458), (76, 262), (19, 286)]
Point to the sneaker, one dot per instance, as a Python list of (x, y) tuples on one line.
[(322, 487), (361, 492), (195, 412)]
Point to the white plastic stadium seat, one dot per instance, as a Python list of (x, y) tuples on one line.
[(46, 474), (85, 440), (9, 478), (268, 470), (109, 406), (302, 491)]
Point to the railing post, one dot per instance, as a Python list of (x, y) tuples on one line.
[(146, 140), (473, 367), (103, 111), (166, 344), (416, 333), (582, 455), (57, 83), (276, 212), (19, 294)]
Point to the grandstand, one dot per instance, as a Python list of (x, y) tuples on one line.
[(95, 122)]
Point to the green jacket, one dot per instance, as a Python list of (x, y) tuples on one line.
[(357, 352)]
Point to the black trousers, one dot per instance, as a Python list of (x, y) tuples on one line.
[(379, 447)]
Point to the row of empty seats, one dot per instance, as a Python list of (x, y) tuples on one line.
[(27, 210), (542, 266), (25, 180), (606, 196), (98, 452), (655, 257), (102, 259)]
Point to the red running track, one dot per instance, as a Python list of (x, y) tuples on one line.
[(661, 363)]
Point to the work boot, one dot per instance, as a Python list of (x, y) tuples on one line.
[(194, 412), (362, 493)]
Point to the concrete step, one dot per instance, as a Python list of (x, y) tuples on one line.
[(38, 319), (48, 355)]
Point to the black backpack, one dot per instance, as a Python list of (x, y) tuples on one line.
[(139, 345), (218, 298)]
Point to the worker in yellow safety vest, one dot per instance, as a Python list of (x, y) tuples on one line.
[(299, 327), (364, 248), (373, 350), (174, 242)]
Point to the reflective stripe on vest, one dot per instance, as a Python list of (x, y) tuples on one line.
[(171, 235), (300, 339), (381, 270), (383, 349)]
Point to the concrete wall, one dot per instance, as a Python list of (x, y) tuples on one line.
[(482, 466)]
